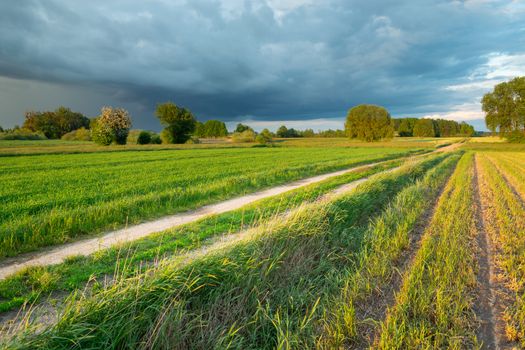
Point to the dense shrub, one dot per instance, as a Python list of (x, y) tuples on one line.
[(111, 126), (192, 141), (369, 123), (167, 136), (516, 136), (144, 138), (264, 137), (22, 134), (155, 139), (245, 136), (81, 134)]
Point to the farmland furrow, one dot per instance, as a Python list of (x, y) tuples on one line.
[(391, 245), (433, 309), (487, 305), (504, 217)]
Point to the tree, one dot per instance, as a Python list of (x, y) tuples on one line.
[(369, 123), (55, 124), (241, 127), (179, 122), (307, 133), (112, 125), (504, 109), (215, 128), (199, 129), (405, 126), (466, 129), (282, 131), (424, 128)]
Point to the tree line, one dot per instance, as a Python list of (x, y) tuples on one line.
[(426, 127), (373, 123), (113, 126)]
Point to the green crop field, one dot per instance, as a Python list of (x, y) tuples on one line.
[(409, 257), (50, 199)]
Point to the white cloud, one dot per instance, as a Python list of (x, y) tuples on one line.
[(462, 112)]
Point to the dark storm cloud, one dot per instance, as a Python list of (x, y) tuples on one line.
[(261, 60)]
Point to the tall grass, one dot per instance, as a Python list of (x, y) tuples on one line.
[(508, 236), (73, 274), (51, 199), (265, 292), (360, 306), (433, 309)]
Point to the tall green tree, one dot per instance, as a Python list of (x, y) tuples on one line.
[(242, 127), (282, 131), (369, 123), (179, 122), (504, 109), (214, 128), (424, 128), (405, 126)]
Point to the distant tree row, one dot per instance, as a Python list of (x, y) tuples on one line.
[(55, 124), (426, 127), (504, 109), (373, 123)]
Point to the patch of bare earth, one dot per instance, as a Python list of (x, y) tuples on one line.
[(492, 297)]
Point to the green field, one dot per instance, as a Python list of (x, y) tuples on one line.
[(50, 199), (402, 261)]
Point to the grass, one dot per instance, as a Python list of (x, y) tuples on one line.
[(265, 292), (72, 275), (14, 148), (51, 199), (508, 232), (433, 309), (360, 306)]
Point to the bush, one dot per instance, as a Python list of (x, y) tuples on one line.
[(264, 137), (144, 138), (167, 136), (102, 134), (112, 126), (192, 141), (22, 134), (245, 136), (133, 136), (81, 134), (155, 139), (515, 136)]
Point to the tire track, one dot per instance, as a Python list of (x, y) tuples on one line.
[(493, 296)]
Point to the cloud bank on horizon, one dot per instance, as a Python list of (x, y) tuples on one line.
[(301, 61)]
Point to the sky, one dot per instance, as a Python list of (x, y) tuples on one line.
[(303, 63)]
